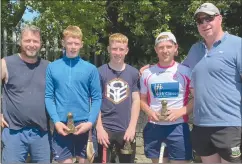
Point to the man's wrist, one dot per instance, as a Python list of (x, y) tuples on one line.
[(99, 127), (131, 126), (184, 110), (149, 112)]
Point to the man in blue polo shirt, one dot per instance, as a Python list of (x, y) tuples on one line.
[(216, 78)]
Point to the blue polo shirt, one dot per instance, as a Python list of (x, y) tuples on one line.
[(216, 79)]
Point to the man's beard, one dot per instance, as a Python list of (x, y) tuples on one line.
[(31, 55)]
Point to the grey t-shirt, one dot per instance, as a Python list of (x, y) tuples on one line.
[(23, 95), (117, 88)]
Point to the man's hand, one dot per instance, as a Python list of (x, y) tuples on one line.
[(154, 116), (61, 128), (102, 137), (3, 122), (143, 68), (83, 127), (174, 114), (129, 134)]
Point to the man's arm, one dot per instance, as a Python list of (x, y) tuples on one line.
[(146, 108), (96, 96), (102, 135), (135, 110), (96, 100), (50, 103), (4, 70), (50, 96), (5, 79), (173, 115)]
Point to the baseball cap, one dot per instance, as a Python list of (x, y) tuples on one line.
[(164, 36), (207, 8)]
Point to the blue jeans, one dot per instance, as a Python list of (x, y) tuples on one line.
[(18, 143)]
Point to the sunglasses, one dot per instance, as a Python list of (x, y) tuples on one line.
[(207, 18)]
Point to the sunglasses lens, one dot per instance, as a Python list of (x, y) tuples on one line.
[(208, 18), (199, 21)]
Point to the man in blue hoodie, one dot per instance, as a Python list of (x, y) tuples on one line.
[(70, 84)]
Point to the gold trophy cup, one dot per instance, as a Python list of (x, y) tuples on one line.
[(127, 148), (70, 123), (163, 115)]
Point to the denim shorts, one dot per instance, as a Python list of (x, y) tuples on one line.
[(17, 144)]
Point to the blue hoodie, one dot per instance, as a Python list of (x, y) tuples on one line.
[(70, 84)]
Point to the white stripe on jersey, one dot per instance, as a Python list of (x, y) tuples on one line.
[(171, 84)]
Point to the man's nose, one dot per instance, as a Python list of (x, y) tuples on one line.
[(73, 45), (165, 50), (32, 43)]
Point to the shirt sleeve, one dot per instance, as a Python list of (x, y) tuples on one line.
[(189, 60), (143, 83), (239, 60), (49, 96), (95, 95), (136, 81)]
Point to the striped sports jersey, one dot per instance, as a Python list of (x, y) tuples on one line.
[(166, 83)]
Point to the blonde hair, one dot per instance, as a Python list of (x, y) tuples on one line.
[(73, 31), (118, 37)]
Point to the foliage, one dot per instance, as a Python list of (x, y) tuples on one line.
[(140, 20)]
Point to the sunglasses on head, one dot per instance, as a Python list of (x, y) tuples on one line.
[(207, 18)]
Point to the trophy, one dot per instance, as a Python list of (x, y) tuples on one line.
[(70, 123), (163, 115), (127, 148)]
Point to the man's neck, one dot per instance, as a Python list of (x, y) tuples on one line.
[(117, 66), (210, 41), (27, 59), (166, 64)]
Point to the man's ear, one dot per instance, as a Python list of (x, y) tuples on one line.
[(127, 51), (108, 49), (177, 47), (63, 43), (155, 49)]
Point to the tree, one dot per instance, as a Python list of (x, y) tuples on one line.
[(140, 20), (11, 15)]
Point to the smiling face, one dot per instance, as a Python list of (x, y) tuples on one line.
[(166, 50), (30, 43), (208, 26), (117, 51)]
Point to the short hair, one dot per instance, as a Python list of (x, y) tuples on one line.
[(31, 28), (73, 31), (118, 37)]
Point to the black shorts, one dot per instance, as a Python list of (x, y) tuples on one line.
[(117, 143), (225, 141)]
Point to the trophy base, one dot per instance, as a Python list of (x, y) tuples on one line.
[(71, 131), (126, 151), (162, 118)]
